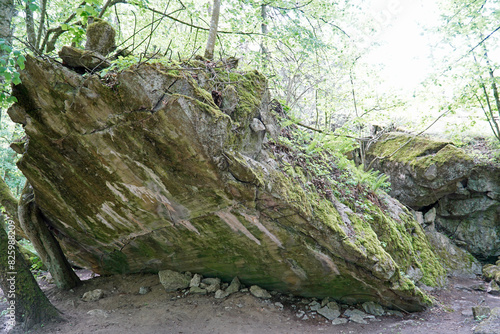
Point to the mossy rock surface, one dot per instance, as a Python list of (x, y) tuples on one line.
[(427, 173), (147, 173), (421, 170)]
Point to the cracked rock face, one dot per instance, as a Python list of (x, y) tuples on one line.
[(443, 181), (141, 171), (421, 171)]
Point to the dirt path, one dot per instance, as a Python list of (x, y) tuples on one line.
[(123, 310)]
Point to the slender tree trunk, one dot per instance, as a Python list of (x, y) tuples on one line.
[(30, 26), (41, 26), (34, 224), (27, 302), (212, 34), (6, 13), (263, 47)]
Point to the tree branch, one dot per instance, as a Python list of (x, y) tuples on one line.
[(198, 27)]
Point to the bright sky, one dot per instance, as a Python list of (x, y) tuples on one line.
[(404, 50)]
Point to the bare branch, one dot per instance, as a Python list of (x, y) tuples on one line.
[(198, 27)]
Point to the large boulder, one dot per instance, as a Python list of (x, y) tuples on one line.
[(142, 171), (436, 177), (421, 170)]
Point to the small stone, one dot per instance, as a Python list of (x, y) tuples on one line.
[(195, 281), (430, 216), (493, 288), (211, 281), (144, 290), (235, 286), (306, 317), (419, 217), (258, 292), (357, 319), (219, 294), (329, 313), (213, 287), (490, 271), (300, 314), (339, 321), (279, 305), (98, 313), (333, 306), (349, 313), (92, 296), (394, 313), (100, 36), (245, 290), (197, 290), (314, 306), (257, 125), (325, 301), (373, 308), (481, 312), (172, 280)]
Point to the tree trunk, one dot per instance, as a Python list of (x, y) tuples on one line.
[(6, 13), (263, 47), (34, 224), (41, 26), (30, 26), (27, 302), (212, 34)]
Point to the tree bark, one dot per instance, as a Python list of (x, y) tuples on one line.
[(212, 33), (263, 47), (34, 224), (27, 302), (41, 26), (6, 13), (30, 27)]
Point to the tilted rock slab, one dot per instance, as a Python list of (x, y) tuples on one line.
[(140, 171)]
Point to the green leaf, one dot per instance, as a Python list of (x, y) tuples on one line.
[(7, 76), (11, 99), (20, 61), (16, 80), (33, 7), (65, 26)]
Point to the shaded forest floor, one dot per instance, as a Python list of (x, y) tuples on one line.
[(124, 310)]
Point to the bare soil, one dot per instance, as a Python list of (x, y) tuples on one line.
[(124, 310)]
